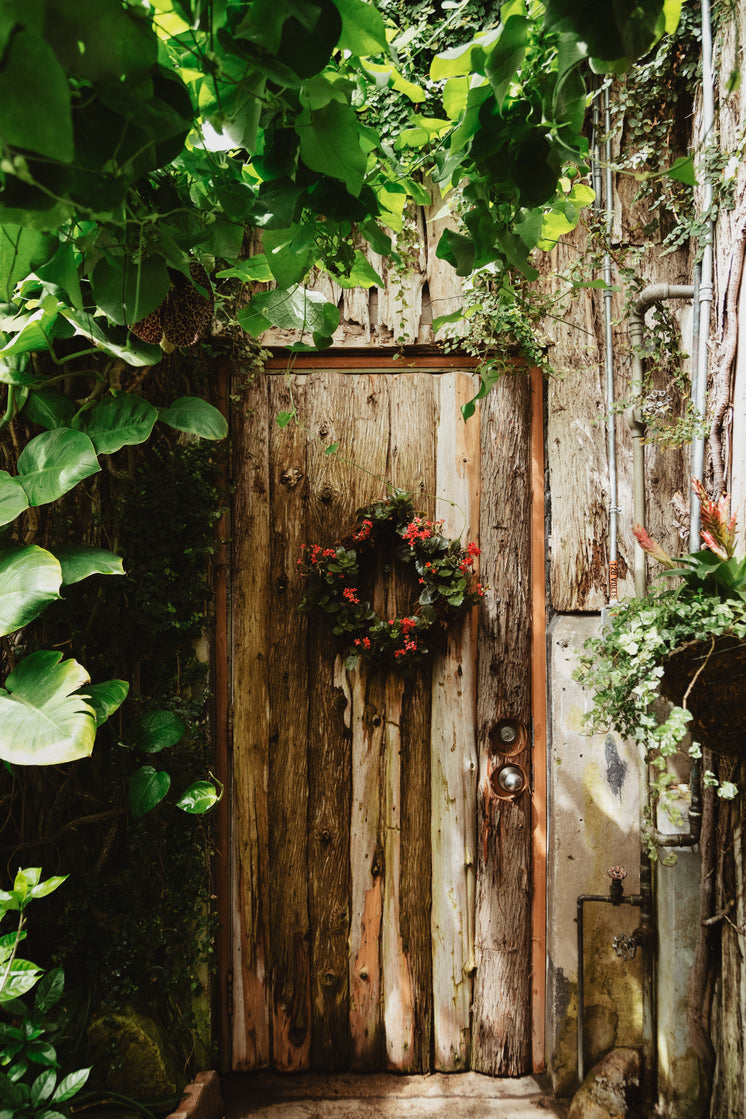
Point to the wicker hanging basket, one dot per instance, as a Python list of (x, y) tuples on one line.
[(713, 672)]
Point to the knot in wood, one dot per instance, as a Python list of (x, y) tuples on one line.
[(325, 835), (281, 583), (326, 493), (329, 978), (291, 477)]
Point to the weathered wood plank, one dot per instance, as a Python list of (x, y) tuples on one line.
[(501, 1042), (412, 467), (289, 972), (366, 866), (350, 413), (453, 773), (398, 999), (251, 1029)]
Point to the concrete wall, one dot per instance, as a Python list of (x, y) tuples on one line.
[(593, 787)]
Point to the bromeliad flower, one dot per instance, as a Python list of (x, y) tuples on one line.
[(652, 547), (718, 526)]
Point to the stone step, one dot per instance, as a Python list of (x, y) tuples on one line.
[(466, 1095)]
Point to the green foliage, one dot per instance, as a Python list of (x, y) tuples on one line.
[(624, 667), (30, 1085)]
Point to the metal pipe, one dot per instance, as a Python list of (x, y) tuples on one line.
[(699, 388), (610, 899), (654, 293), (614, 509)]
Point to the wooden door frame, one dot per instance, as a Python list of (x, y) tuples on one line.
[(409, 359)]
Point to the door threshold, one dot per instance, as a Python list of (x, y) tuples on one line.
[(350, 1095)]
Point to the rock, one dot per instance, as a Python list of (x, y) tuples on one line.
[(611, 1088), (600, 1031), (202, 1099), (133, 1057)]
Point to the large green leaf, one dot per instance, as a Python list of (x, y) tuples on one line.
[(195, 416), (49, 408), (296, 309), (131, 350), (30, 579), (363, 29), (101, 39), (105, 698), (78, 561), (21, 251), (506, 56), (42, 720), (54, 462), (120, 420), (13, 500), (128, 291), (155, 731), (35, 109), (330, 144), (147, 787)]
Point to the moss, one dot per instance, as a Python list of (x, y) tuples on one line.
[(132, 1056)]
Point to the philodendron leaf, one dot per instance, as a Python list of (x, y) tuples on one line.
[(49, 409), (30, 579), (155, 731), (78, 561), (132, 351), (199, 798), (120, 420), (54, 462), (13, 500), (105, 698), (42, 720), (147, 787), (195, 416)]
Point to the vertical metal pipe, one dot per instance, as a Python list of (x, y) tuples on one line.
[(699, 389)]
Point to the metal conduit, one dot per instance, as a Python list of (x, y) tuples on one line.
[(699, 378)]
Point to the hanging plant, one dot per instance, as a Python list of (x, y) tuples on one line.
[(685, 643), (448, 586)]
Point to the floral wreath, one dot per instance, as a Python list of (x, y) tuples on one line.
[(448, 583)]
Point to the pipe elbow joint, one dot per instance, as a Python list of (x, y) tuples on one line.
[(635, 422)]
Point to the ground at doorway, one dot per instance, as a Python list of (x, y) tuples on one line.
[(465, 1095)]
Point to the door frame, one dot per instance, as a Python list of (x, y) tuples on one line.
[(396, 360)]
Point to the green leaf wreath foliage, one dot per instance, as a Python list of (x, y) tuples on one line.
[(625, 665), (445, 571)]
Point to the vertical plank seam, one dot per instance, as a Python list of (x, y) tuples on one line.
[(538, 705)]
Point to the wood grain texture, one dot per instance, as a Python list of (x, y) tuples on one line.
[(366, 869), (250, 825), (398, 997), (412, 466), (289, 971), (453, 772), (347, 412), (501, 1043)]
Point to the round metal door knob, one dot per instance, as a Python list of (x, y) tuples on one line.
[(511, 779)]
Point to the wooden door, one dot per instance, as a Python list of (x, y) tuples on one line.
[(381, 883)]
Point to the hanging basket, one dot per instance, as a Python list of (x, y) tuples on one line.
[(717, 699)]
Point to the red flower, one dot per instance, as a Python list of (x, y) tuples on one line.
[(350, 593)]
